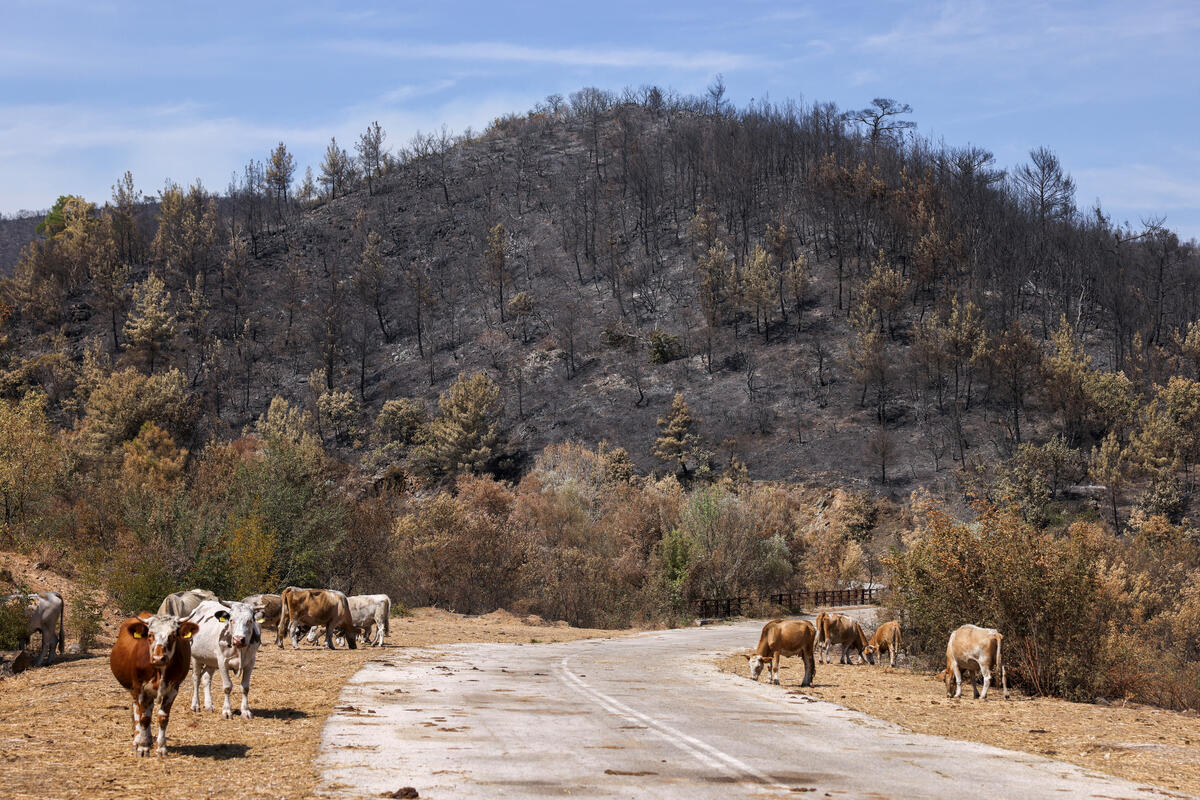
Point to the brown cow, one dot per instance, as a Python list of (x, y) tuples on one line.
[(886, 637), (840, 629), (315, 607), (150, 659), (972, 650), (792, 637), (269, 607)]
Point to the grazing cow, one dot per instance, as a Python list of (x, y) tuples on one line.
[(227, 641), (316, 607), (886, 637), (972, 650), (150, 659), (792, 637), (819, 623), (840, 629), (371, 611), (268, 616), (183, 603), (44, 615)]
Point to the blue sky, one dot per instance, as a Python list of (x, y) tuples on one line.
[(168, 90)]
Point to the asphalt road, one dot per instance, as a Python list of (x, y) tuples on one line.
[(644, 716)]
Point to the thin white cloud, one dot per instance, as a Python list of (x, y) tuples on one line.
[(1140, 187), (709, 60)]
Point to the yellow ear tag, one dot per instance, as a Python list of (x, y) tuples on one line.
[(187, 635), (260, 619), (138, 634)]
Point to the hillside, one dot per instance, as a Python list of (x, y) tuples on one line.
[(602, 249)]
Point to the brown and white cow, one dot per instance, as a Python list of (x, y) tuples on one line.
[(310, 607), (370, 613), (973, 650), (840, 629), (44, 615), (885, 639), (180, 604), (269, 606), (150, 659), (780, 637)]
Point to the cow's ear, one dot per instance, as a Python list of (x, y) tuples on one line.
[(187, 629), (222, 616), (259, 618), (137, 628)]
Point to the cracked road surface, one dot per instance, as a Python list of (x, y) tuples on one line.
[(640, 716)]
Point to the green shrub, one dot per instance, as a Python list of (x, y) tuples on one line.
[(14, 623), (664, 347), (86, 619)]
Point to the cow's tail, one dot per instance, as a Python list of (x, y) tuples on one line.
[(1000, 664), (62, 612), (387, 617)]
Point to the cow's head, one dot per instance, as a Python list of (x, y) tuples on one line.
[(868, 653), (241, 628), (164, 632), (756, 664)]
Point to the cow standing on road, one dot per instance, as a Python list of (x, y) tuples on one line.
[(793, 637), (227, 641), (150, 659)]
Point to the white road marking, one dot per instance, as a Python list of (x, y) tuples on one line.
[(697, 748)]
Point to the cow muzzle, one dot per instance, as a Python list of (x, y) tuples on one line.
[(239, 641)]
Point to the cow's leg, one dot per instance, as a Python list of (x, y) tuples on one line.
[(329, 636), (246, 670), (956, 673), (892, 654), (987, 680), (164, 716), (775, 659), (282, 629), (53, 644), (227, 685), (206, 679), (293, 632), (810, 669), (143, 704), (197, 668)]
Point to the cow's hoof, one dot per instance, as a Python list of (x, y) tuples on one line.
[(226, 714), (209, 709), (142, 749), (246, 713), (196, 707), (162, 751)]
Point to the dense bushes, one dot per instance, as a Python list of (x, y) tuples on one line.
[(1083, 612)]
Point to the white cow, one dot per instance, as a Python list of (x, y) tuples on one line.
[(370, 613), (44, 615), (228, 640), (371, 610)]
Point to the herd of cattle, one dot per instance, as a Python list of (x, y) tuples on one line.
[(971, 652), (195, 630)]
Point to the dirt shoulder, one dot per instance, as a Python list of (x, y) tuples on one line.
[(1139, 743), (66, 730)]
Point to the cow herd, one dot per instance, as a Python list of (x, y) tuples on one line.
[(197, 631), (971, 651)]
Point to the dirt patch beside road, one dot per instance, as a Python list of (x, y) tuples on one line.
[(66, 730), (1136, 742)]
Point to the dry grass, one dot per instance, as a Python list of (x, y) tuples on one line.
[(66, 731), (1139, 743)]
